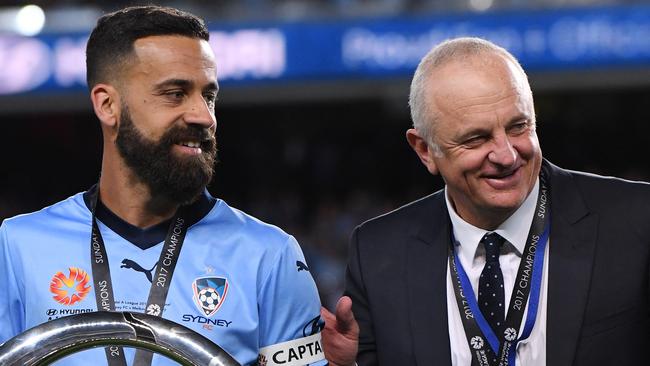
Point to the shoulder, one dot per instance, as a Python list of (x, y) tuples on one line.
[(607, 192), (386, 235), (62, 213), (247, 229), (407, 216), (598, 183), (618, 203)]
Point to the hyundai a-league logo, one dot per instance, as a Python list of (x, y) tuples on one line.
[(476, 342), (70, 289), (510, 334), (209, 294)]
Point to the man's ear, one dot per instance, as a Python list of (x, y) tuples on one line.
[(106, 104), (423, 149)]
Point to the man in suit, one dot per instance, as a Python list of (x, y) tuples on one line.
[(569, 280)]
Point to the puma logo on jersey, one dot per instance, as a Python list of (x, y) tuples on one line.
[(302, 266), (130, 264), (313, 326)]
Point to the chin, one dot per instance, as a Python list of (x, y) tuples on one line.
[(509, 202), (182, 196)]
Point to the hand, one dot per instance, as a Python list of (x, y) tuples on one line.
[(341, 334)]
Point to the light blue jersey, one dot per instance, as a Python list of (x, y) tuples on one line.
[(240, 282)]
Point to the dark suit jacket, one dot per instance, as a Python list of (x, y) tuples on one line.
[(598, 287)]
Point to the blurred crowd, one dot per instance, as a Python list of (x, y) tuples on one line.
[(80, 15)]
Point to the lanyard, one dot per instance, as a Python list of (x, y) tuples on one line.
[(502, 347), (159, 288)]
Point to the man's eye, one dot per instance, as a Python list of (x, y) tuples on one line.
[(474, 141), (175, 94), (210, 99), (519, 127)]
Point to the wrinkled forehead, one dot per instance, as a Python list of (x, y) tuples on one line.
[(477, 76)]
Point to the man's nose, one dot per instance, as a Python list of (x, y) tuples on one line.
[(199, 112), (503, 153)]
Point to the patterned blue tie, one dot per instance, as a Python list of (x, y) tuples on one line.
[(490, 285)]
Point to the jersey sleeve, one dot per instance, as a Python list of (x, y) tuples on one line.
[(11, 305), (289, 311)]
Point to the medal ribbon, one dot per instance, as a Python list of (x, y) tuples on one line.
[(527, 288), (159, 288)]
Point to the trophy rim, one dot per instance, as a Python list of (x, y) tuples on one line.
[(56, 339)]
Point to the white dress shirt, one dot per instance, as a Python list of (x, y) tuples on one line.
[(531, 351)]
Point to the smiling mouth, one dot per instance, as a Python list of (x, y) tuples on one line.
[(193, 148), (504, 180), (502, 175), (193, 144)]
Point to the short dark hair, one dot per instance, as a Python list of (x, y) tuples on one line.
[(111, 41)]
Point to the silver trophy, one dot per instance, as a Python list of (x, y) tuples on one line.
[(58, 338)]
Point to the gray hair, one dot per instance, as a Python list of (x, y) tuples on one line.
[(422, 114)]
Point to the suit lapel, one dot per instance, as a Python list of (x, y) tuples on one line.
[(571, 251), (427, 281)]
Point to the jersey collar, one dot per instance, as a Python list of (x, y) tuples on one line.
[(149, 237)]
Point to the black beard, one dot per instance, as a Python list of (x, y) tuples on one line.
[(169, 178)]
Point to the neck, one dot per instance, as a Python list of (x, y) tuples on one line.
[(130, 199), (489, 221), (489, 224)]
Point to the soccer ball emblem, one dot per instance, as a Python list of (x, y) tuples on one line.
[(209, 298), (209, 294)]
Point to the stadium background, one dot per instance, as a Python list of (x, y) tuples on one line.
[(317, 148)]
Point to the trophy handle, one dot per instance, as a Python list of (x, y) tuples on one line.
[(58, 338)]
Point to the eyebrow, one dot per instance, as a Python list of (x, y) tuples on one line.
[(212, 86), (183, 83)]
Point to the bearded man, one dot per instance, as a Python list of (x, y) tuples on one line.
[(149, 237)]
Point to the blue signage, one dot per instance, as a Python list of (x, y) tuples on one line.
[(568, 39)]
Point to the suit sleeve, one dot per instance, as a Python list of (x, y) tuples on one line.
[(11, 305), (355, 288), (289, 310)]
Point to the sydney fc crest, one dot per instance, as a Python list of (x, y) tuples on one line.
[(209, 294)]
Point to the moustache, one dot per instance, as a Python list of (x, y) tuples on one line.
[(178, 134)]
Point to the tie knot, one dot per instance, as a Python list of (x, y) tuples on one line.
[(492, 243)]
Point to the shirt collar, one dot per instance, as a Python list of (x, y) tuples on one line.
[(514, 229)]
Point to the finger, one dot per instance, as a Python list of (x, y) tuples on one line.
[(344, 316)]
